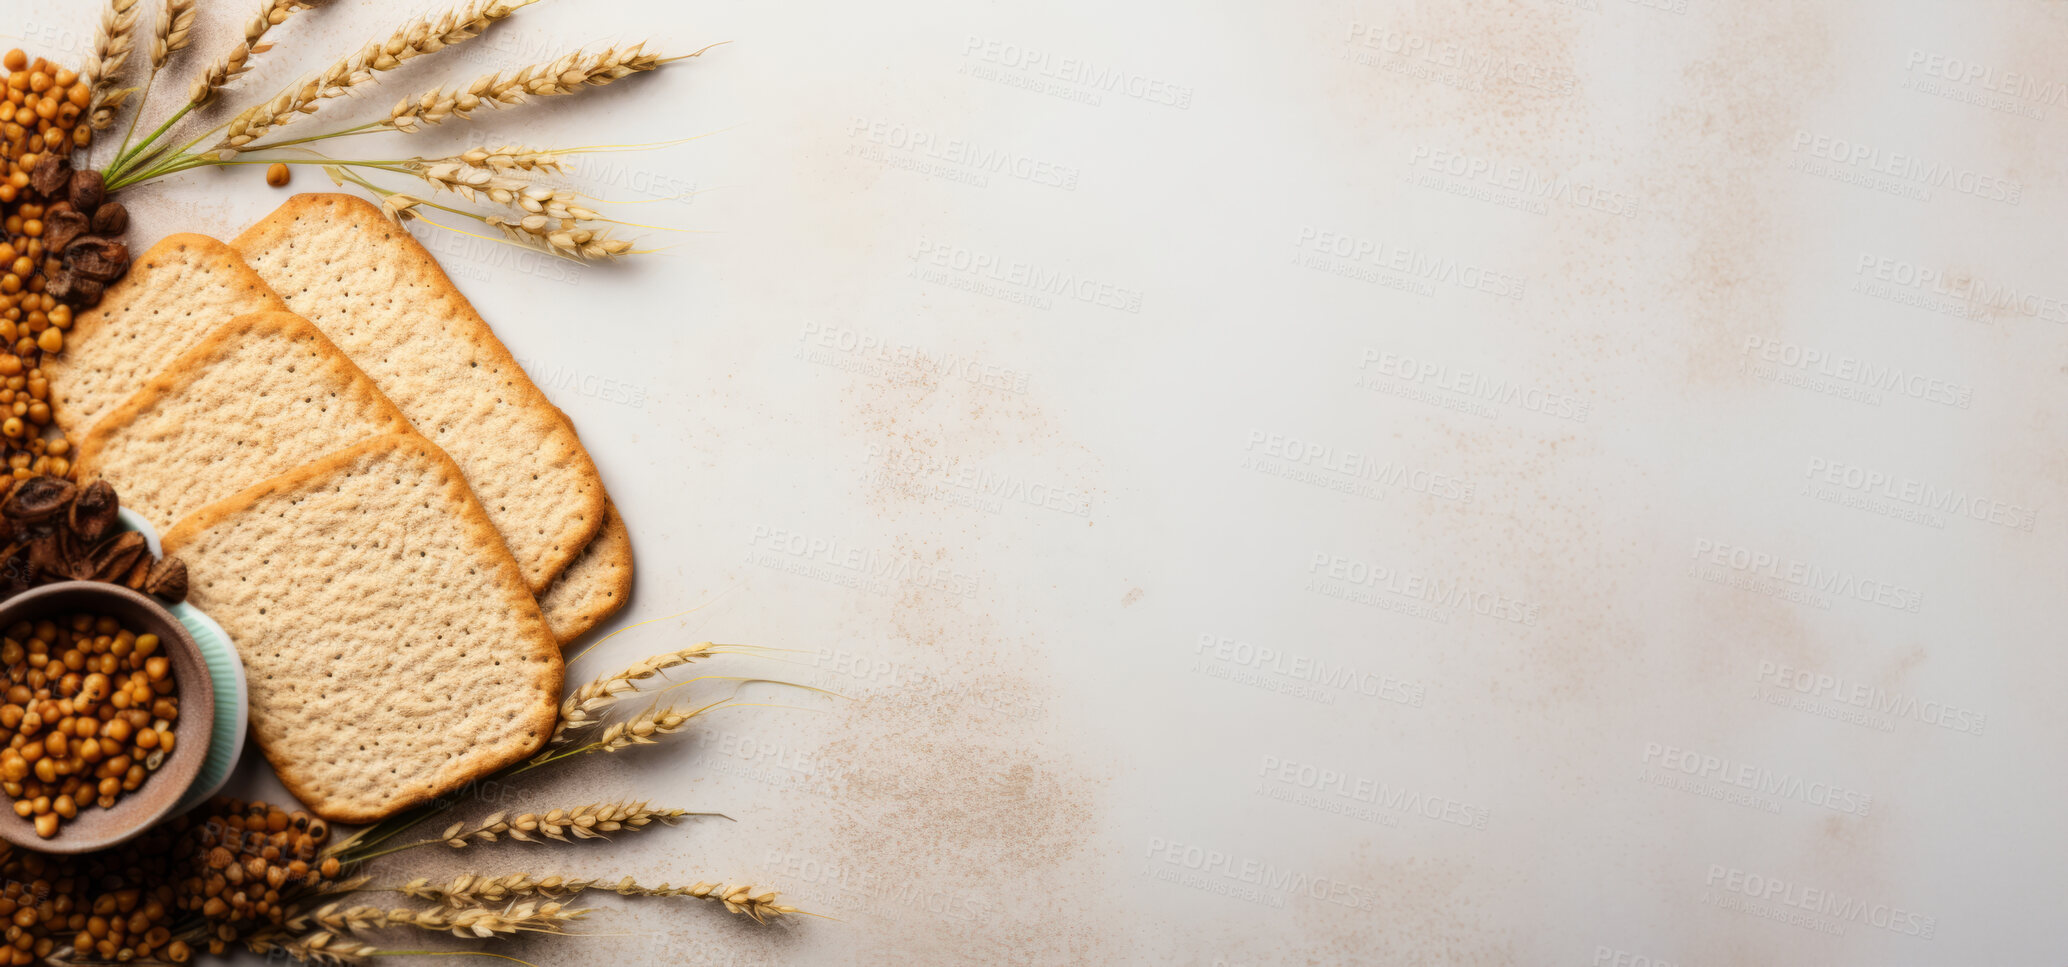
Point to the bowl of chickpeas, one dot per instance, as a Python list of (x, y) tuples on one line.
[(107, 713)]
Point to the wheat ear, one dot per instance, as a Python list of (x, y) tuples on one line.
[(480, 922), (587, 705), (111, 49), (593, 821), (641, 728), (234, 64), (175, 32), (415, 39), (470, 891), (508, 157), (567, 75), (322, 948), (562, 239)]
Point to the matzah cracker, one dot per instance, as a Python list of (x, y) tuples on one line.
[(341, 264), (176, 292), (595, 586), (393, 649), (261, 395)]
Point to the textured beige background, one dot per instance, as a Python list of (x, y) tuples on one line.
[(1039, 376)]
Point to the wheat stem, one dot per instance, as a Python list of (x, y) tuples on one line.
[(175, 31)]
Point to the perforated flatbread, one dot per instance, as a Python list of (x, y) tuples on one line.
[(595, 586), (339, 263), (259, 396), (393, 649), (178, 291)]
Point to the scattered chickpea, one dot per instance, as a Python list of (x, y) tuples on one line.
[(277, 175)]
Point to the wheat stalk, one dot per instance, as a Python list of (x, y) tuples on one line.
[(469, 891), (322, 948), (111, 49), (417, 38), (234, 64), (175, 32), (592, 821), (473, 921), (587, 705), (567, 75)]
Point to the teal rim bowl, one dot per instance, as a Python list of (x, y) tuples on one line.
[(232, 693)]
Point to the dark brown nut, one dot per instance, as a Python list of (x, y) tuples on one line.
[(115, 559), (53, 175), (97, 257), (87, 190), (62, 286), (110, 219), (94, 510), (39, 498), (139, 573), (60, 229), (168, 580), (86, 293)]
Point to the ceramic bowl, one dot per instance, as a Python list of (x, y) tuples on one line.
[(232, 692), (95, 828)]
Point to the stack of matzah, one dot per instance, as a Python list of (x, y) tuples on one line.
[(394, 524)]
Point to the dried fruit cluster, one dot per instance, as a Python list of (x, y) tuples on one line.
[(54, 530)]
